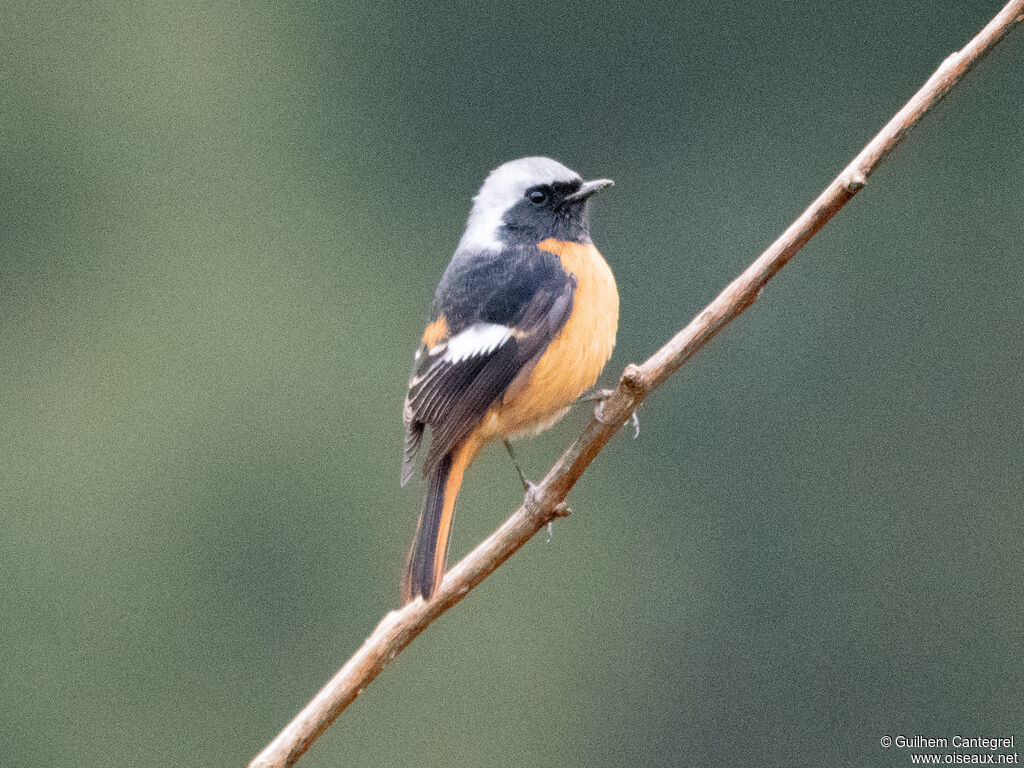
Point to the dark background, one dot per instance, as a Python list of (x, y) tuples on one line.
[(220, 231)]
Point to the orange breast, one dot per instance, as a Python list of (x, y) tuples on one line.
[(574, 359)]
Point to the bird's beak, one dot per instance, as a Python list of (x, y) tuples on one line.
[(588, 188)]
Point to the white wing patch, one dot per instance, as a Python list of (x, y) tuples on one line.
[(478, 339)]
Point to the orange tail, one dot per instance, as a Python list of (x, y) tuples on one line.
[(425, 565)]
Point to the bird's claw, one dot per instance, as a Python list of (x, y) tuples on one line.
[(601, 396), (636, 424), (534, 503)]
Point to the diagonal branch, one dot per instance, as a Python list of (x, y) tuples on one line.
[(399, 628)]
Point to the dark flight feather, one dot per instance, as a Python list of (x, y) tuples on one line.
[(452, 396)]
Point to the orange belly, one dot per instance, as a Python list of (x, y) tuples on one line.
[(575, 358)]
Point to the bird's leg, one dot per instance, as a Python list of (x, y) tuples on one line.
[(595, 396), (532, 491), (527, 485)]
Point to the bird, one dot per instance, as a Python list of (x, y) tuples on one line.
[(523, 322)]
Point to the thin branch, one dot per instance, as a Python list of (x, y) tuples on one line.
[(399, 628)]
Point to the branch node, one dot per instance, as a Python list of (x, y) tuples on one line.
[(633, 380), (853, 180)]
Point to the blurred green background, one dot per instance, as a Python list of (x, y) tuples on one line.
[(220, 230)]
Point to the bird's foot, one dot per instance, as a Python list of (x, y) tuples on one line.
[(600, 396), (535, 504)]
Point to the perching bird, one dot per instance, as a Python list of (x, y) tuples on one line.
[(523, 322)]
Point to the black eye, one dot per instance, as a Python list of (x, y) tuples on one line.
[(537, 196)]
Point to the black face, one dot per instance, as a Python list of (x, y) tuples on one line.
[(544, 212)]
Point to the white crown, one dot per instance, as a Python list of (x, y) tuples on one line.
[(503, 188)]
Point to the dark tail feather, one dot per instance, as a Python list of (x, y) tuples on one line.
[(420, 576)]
